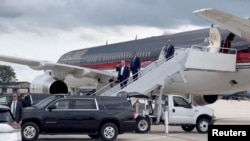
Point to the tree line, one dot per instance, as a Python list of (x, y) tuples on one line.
[(7, 75)]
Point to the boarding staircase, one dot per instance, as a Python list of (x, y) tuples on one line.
[(158, 73), (153, 76)]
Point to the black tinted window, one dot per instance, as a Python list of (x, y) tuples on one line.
[(117, 105), (76, 104), (85, 104), (45, 102), (62, 104)]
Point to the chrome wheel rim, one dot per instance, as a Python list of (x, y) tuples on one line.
[(29, 132), (109, 132)]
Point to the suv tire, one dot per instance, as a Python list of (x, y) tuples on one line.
[(108, 132), (142, 125), (30, 131)]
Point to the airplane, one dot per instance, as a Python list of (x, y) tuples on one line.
[(95, 66)]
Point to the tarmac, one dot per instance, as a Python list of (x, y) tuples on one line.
[(227, 112)]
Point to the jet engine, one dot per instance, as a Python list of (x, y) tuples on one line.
[(204, 99), (47, 84)]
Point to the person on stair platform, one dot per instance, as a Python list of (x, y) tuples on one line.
[(123, 73), (169, 50)]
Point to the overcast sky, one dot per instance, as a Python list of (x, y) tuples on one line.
[(46, 29)]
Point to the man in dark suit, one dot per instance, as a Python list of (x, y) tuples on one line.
[(16, 108), (135, 65), (24, 100), (169, 50), (123, 74)]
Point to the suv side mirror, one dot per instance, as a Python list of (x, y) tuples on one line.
[(52, 107)]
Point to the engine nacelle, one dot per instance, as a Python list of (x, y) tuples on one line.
[(46, 84), (204, 99)]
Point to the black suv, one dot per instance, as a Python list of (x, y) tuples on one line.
[(98, 116)]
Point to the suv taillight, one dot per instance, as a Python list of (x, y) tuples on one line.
[(133, 115)]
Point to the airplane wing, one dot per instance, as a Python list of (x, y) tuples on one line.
[(59, 70), (237, 25)]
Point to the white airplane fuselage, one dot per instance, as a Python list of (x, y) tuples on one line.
[(211, 82)]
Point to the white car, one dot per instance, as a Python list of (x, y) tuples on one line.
[(9, 130)]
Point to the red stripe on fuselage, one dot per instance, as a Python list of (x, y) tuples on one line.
[(243, 58), (108, 66)]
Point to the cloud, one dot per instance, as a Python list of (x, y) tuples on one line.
[(70, 14)]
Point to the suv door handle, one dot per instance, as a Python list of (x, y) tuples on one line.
[(173, 110)]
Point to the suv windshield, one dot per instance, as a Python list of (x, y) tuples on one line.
[(45, 102), (5, 116)]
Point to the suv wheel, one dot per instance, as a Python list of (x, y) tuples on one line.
[(30, 131), (142, 125), (202, 125), (108, 132), (188, 128)]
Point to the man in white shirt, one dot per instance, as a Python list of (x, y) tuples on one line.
[(16, 108), (123, 74)]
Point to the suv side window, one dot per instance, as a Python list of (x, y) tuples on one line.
[(86, 104), (62, 104), (115, 105)]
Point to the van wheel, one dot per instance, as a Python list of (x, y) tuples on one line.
[(142, 125), (188, 128), (30, 131), (94, 136), (108, 132), (202, 125)]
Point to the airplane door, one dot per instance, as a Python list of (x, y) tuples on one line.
[(181, 111)]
